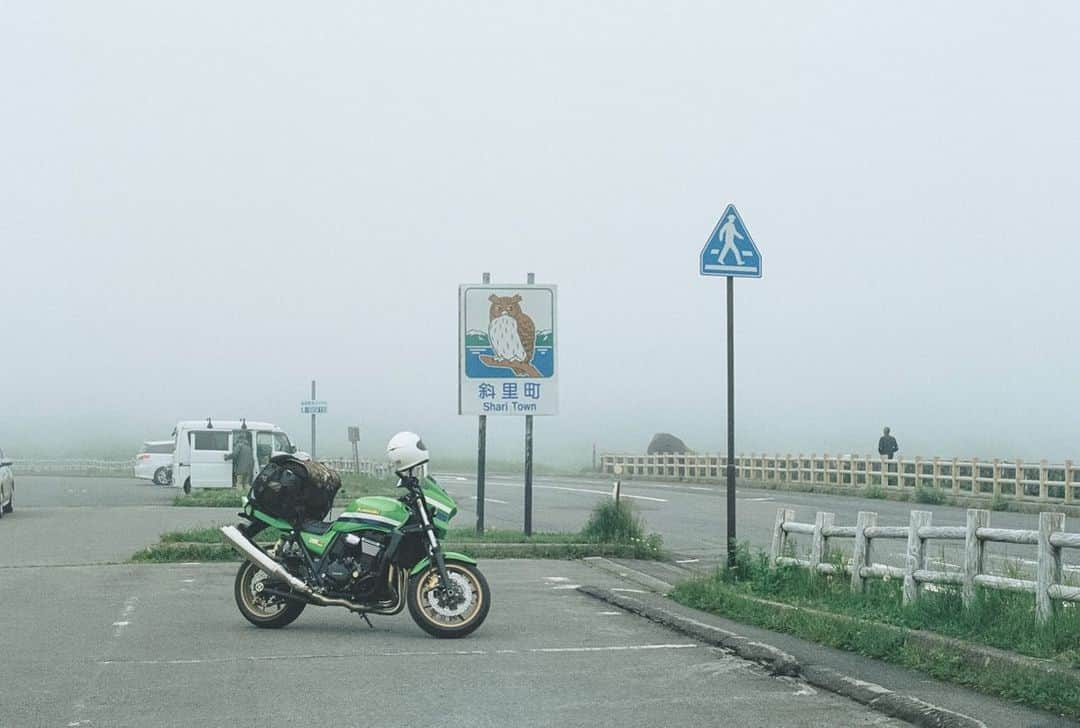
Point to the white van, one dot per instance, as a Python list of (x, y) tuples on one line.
[(199, 459)]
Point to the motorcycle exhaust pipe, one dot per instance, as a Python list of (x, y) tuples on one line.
[(264, 562)]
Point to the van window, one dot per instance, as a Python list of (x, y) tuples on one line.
[(210, 440), (263, 447), (281, 442)]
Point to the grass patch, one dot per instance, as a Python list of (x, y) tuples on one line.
[(611, 532), (929, 495), (209, 498), (874, 491), (357, 486), (508, 536), (1005, 620)]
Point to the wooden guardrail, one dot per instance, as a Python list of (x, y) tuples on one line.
[(374, 468), (72, 466), (1050, 538), (997, 478)]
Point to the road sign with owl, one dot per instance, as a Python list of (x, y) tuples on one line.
[(507, 347)]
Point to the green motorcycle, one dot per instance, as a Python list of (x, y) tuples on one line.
[(379, 555)]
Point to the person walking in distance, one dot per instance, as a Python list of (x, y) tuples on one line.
[(887, 446)]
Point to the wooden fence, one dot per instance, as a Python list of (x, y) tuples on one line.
[(1003, 479), (374, 468), (1050, 539), (73, 466)]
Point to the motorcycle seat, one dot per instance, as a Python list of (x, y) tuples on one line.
[(317, 527)]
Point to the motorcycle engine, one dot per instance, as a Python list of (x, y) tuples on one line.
[(354, 557)]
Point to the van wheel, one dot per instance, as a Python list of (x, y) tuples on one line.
[(162, 476), (187, 487)]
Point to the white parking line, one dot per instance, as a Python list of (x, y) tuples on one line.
[(416, 653), (129, 608)]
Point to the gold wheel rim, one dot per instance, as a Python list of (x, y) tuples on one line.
[(430, 580), (256, 604)]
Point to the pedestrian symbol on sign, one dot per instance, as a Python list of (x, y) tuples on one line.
[(730, 251)]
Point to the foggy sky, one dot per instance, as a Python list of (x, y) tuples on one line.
[(203, 206)]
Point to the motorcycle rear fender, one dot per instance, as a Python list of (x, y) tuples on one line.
[(447, 555)]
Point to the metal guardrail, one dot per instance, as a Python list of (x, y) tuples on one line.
[(996, 478), (1050, 538)]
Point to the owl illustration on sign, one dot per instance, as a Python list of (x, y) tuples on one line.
[(512, 335)]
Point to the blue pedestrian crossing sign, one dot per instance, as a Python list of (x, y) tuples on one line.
[(730, 251)]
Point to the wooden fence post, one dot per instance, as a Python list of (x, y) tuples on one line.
[(819, 542), (1019, 489), (918, 472), (936, 472), (1068, 482), (916, 554), (861, 555), (973, 551), (1044, 491), (779, 537), (956, 477), (1048, 570)]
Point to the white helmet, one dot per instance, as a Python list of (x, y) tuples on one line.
[(406, 450)]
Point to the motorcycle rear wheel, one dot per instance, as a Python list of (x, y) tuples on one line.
[(260, 609), (441, 619)]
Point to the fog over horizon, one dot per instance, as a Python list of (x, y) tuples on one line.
[(203, 208)]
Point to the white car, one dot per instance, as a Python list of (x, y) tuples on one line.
[(154, 461), (7, 486)]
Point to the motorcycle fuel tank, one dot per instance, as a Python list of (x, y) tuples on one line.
[(373, 510)]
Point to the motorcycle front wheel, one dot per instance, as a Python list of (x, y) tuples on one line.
[(262, 610), (444, 615)]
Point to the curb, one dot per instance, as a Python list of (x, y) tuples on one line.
[(777, 661), (905, 707)]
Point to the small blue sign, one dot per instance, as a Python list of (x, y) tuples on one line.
[(730, 251)]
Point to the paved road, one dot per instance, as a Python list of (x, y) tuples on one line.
[(60, 520), (692, 517), (165, 646)]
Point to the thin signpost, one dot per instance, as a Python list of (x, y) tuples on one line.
[(730, 252), (531, 280), (481, 461), (313, 421), (731, 543), (312, 407)]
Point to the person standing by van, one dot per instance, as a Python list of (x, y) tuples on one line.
[(242, 460)]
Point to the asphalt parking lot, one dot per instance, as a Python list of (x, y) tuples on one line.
[(164, 645), (91, 643)]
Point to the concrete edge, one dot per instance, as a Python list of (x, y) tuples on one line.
[(975, 655), (630, 574), (778, 662)]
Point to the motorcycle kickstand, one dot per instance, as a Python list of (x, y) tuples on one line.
[(363, 616)]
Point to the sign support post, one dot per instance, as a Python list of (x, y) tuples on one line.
[(354, 438), (530, 279), (730, 252), (731, 543), (312, 407), (481, 461), (312, 422)]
